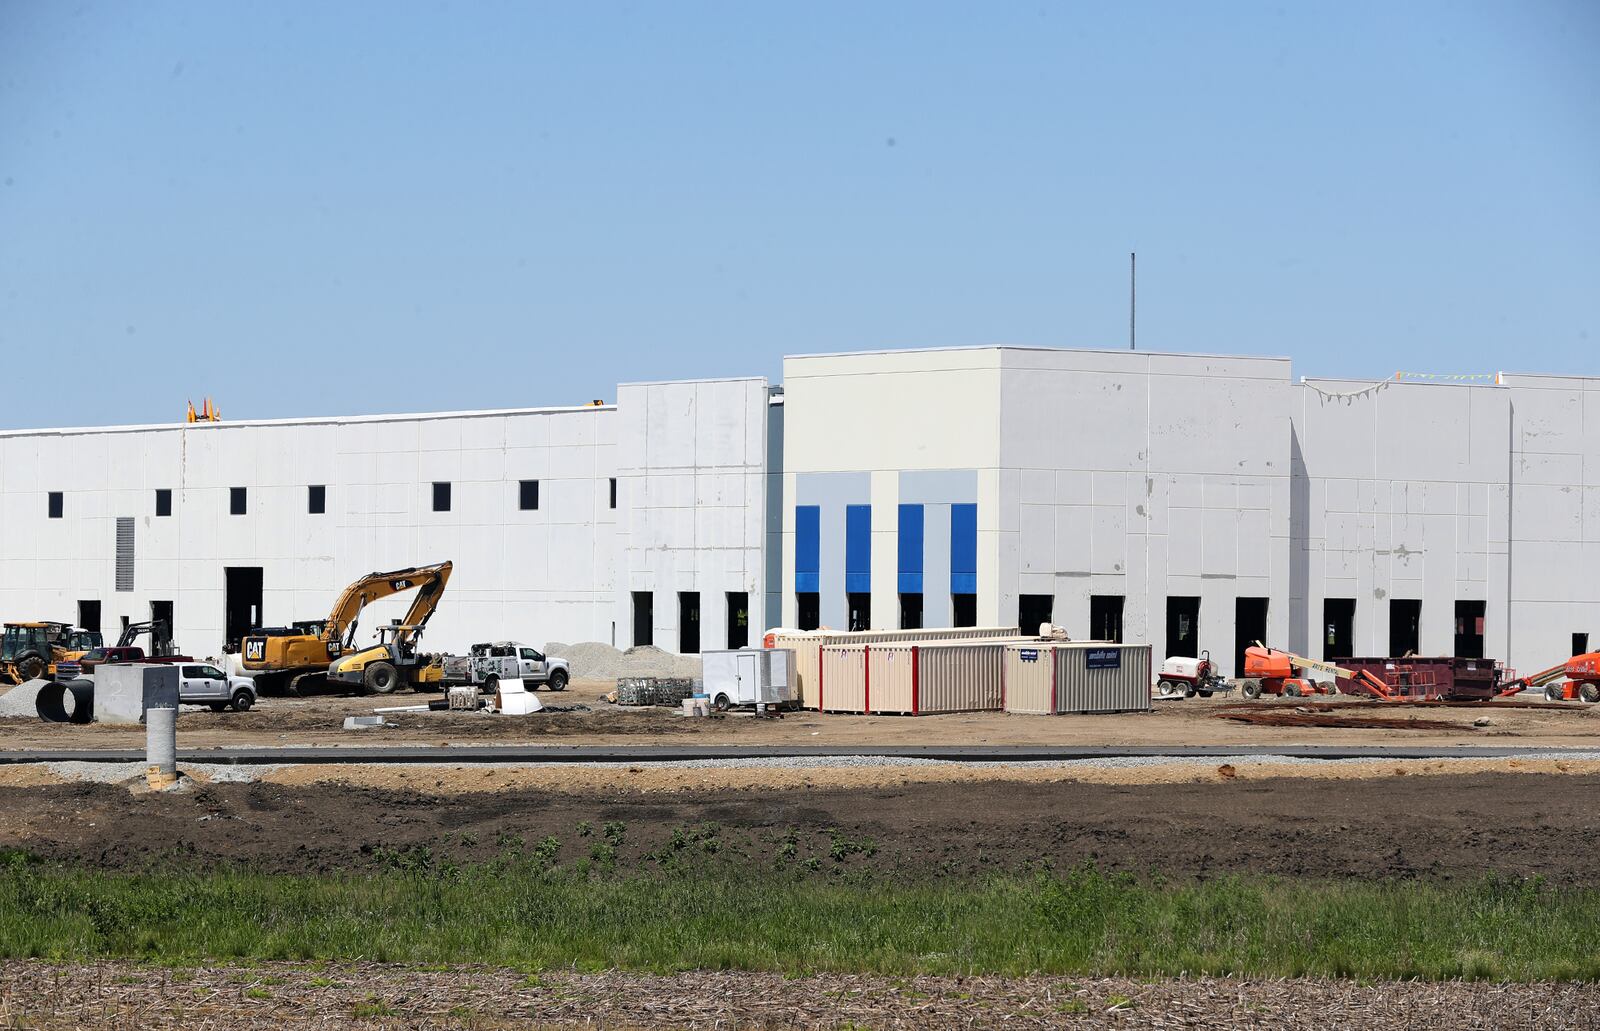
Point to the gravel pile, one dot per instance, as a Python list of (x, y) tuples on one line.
[(19, 701), (593, 660)]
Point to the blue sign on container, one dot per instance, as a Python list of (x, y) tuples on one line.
[(1029, 655), (1103, 658)]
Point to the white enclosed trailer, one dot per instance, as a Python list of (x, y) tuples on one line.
[(749, 676)]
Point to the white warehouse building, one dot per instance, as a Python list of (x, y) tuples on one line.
[(1193, 502)]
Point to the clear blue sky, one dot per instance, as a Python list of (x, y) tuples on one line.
[(355, 207)]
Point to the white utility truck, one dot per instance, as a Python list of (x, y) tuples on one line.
[(486, 665)]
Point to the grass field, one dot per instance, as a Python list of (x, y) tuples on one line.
[(521, 911)]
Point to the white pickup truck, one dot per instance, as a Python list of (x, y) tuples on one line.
[(488, 664)]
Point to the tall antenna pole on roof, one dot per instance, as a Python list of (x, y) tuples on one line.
[(1133, 300)]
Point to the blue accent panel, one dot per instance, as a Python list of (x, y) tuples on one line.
[(911, 549), (963, 549), (807, 548), (858, 549)]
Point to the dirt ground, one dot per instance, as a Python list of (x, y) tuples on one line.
[(580, 717), (1446, 828), (372, 996)]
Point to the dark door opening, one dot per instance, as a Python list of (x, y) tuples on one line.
[(1405, 626), (860, 605), (644, 618), (241, 604), (910, 612), (1183, 627), (164, 630), (1105, 617), (689, 622), (89, 615), (1338, 628), (1469, 629), (1249, 626), (1033, 610), (965, 609), (738, 619), (808, 610), (1580, 644)]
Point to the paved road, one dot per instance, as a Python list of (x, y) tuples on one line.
[(678, 753)]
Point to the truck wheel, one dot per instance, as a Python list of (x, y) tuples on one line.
[(558, 680), (1589, 692), (491, 683), (1252, 689), (380, 678), (30, 666), (721, 703), (1167, 687), (242, 700)]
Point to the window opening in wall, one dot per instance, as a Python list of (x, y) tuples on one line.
[(808, 609), (1105, 617), (317, 499), (1469, 629), (528, 495), (89, 614), (964, 610), (1249, 626), (1033, 610), (689, 622), (236, 501), (613, 492), (644, 618), (911, 611), (1183, 626), (124, 569), (1405, 626), (1338, 628), (1580, 644), (441, 496), (163, 502), (241, 605), (738, 619), (56, 504), (860, 606)]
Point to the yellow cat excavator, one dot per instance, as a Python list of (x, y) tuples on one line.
[(297, 657)]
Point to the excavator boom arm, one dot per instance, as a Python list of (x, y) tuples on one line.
[(427, 581)]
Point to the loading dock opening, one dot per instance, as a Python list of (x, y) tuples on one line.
[(1105, 617), (689, 622), (89, 614), (241, 603), (965, 608), (1469, 629), (860, 606), (738, 619), (1183, 626), (1405, 626), (1249, 626), (1034, 609), (808, 610), (1338, 628), (911, 611)]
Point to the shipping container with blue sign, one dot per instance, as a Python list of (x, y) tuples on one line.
[(1060, 677)]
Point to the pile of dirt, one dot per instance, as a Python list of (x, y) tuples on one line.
[(596, 661)]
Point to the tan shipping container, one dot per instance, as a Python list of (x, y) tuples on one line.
[(808, 644), (1087, 677), (917, 679)]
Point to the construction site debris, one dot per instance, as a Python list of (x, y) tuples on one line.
[(667, 691), (594, 660), (1304, 716), (365, 722)]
